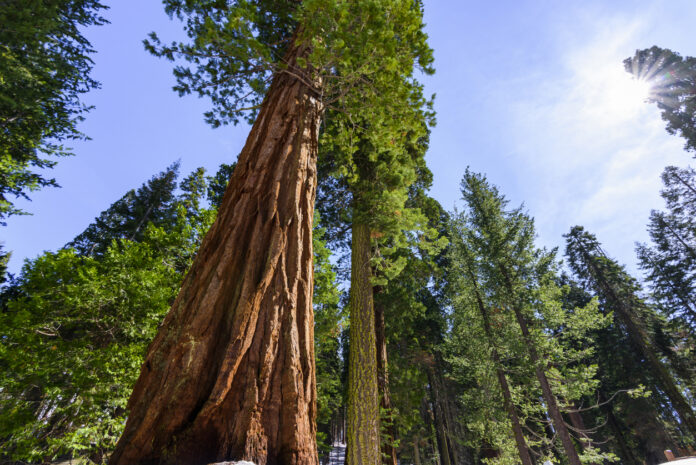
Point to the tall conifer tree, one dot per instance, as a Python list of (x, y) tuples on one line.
[(611, 282), (519, 279)]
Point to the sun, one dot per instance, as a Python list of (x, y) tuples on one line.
[(630, 93), (615, 97)]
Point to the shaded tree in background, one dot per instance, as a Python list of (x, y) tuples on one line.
[(636, 423), (153, 202), (640, 324), (328, 324), (670, 261), (673, 88), (44, 69)]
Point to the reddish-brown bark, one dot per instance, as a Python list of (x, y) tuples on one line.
[(230, 375)]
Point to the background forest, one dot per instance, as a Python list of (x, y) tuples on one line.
[(487, 347)]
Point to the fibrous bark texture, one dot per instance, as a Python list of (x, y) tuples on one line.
[(363, 400), (230, 375)]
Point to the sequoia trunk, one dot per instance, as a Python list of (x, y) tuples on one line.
[(363, 398), (230, 374)]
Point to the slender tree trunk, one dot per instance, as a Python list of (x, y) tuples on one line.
[(428, 418), (388, 450), (230, 375), (438, 414), (363, 398), (520, 441), (416, 450), (549, 397), (579, 424)]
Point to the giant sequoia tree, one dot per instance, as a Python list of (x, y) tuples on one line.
[(230, 375)]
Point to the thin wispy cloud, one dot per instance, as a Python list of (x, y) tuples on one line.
[(584, 132)]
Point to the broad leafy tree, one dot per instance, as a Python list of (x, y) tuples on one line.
[(88, 319)]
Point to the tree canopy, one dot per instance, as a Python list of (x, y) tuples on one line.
[(45, 68)]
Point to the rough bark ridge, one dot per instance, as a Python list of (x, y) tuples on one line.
[(230, 375), (363, 399)]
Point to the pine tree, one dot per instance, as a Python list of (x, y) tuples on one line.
[(463, 262), (611, 282), (44, 69), (153, 202), (634, 423), (218, 183), (520, 281), (670, 262), (4, 259), (328, 321), (673, 88)]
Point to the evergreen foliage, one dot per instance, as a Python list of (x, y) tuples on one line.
[(673, 88), (44, 69), (670, 262), (637, 343), (328, 323), (497, 271), (153, 202), (89, 316), (360, 53), (88, 319)]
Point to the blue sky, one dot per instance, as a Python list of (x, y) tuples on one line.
[(532, 93)]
